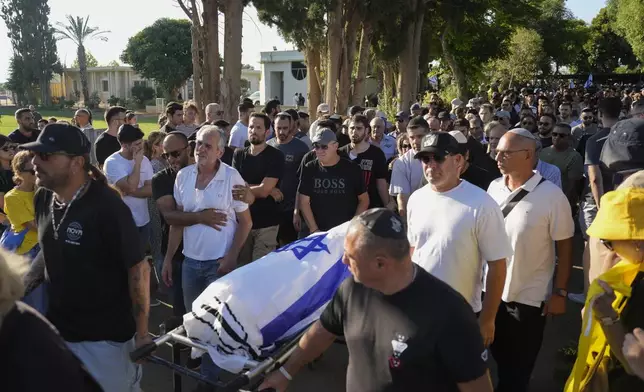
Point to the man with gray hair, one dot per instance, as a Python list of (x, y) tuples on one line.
[(214, 113), (537, 217), (387, 143)]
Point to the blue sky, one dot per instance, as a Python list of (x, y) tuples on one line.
[(140, 13)]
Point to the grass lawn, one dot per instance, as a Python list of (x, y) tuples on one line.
[(147, 123)]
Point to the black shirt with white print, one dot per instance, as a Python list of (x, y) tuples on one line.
[(423, 338), (88, 265), (373, 164)]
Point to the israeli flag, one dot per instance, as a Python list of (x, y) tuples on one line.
[(245, 313), (589, 82)]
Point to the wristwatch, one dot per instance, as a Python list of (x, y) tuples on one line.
[(561, 292), (608, 321)]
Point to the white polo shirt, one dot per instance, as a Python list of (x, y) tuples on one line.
[(201, 242), (238, 135), (540, 218), (116, 167), (453, 232), (406, 175)]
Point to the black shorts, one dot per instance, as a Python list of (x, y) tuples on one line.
[(286, 233)]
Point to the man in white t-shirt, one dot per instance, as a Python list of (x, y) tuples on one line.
[(131, 172), (407, 172), (538, 222), (453, 226), (239, 133), (209, 253)]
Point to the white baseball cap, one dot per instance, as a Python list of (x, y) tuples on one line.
[(323, 108)]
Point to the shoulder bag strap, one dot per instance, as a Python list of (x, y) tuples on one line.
[(509, 206)]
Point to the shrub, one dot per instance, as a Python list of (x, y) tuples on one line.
[(94, 100), (141, 93), (113, 101)]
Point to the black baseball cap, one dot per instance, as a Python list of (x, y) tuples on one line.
[(353, 110), (129, 133), (383, 223), (61, 138), (440, 144), (402, 114), (444, 116), (623, 151)]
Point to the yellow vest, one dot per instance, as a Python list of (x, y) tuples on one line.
[(593, 349)]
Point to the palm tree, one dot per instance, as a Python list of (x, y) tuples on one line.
[(77, 30)]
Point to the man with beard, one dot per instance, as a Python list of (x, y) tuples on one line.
[(569, 162), (295, 128), (174, 113), (545, 126), (586, 129), (27, 129), (98, 285), (177, 152), (371, 160), (261, 166), (294, 150), (565, 113)]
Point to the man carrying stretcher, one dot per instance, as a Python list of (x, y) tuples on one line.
[(405, 330)]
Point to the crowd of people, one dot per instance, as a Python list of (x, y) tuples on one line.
[(470, 206)]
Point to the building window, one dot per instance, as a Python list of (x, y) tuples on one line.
[(106, 86), (298, 69)]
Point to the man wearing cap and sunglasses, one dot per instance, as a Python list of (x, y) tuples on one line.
[(332, 189), (98, 285), (453, 226)]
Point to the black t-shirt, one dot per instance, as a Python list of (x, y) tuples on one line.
[(293, 152), (479, 157), (227, 157), (105, 146), (423, 338), (254, 168), (479, 177), (373, 164), (343, 139), (593, 151), (545, 141), (6, 180), (333, 191), (163, 185), (38, 358), (17, 137), (98, 242)]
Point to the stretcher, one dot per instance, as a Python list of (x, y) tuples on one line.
[(246, 381)]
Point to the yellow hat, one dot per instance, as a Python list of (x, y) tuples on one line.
[(621, 216)]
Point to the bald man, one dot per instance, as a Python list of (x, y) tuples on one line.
[(395, 341), (434, 124), (540, 217), (214, 112), (386, 143)]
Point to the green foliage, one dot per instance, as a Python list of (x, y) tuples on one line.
[(34, 47), (628, 22), (387, 104), (113, 101), (113, 63), (606, 49), (142, 93), (90, 60), (94, 100), (300, 22), (162, 52), (522, 62)]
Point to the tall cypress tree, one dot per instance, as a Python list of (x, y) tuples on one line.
[(33, 44)]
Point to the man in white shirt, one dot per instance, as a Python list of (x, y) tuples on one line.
[(538, 221), (239, 133), (131, 172), (387, 143), (210, 253), (453, 226), (407, 172)]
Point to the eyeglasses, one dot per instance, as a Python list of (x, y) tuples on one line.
[(219, 112), (173, 154), (586, 118), (405, 146), (559, 134), (429, 157), (44, 156), (608, 244), (318, 146), (507, 153)]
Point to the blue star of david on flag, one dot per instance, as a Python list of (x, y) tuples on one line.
[(304, 246)]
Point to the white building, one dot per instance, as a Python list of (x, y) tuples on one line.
[(283, 75)]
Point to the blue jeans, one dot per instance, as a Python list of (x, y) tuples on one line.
[(196, 277), (37, 299)]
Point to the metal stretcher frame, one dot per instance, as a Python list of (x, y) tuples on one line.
[(253, 370)]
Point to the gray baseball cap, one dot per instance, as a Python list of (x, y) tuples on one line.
[(324, 136)]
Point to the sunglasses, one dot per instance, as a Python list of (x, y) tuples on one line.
[(405, 146), (586, 118), (608, 244), (559, 134), (44, 156), (436, 158), (173, 154), (9, 148), (318, 146), (219, 112), (544, 124)]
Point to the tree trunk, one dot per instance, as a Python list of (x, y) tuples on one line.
[(197, 72), (406, 75), (232, 58), (82, 64), (457, 72), (314, 98), (389, 81), (334, 53), (363, 64), (418, 32), (349, 39), (212, 67)]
